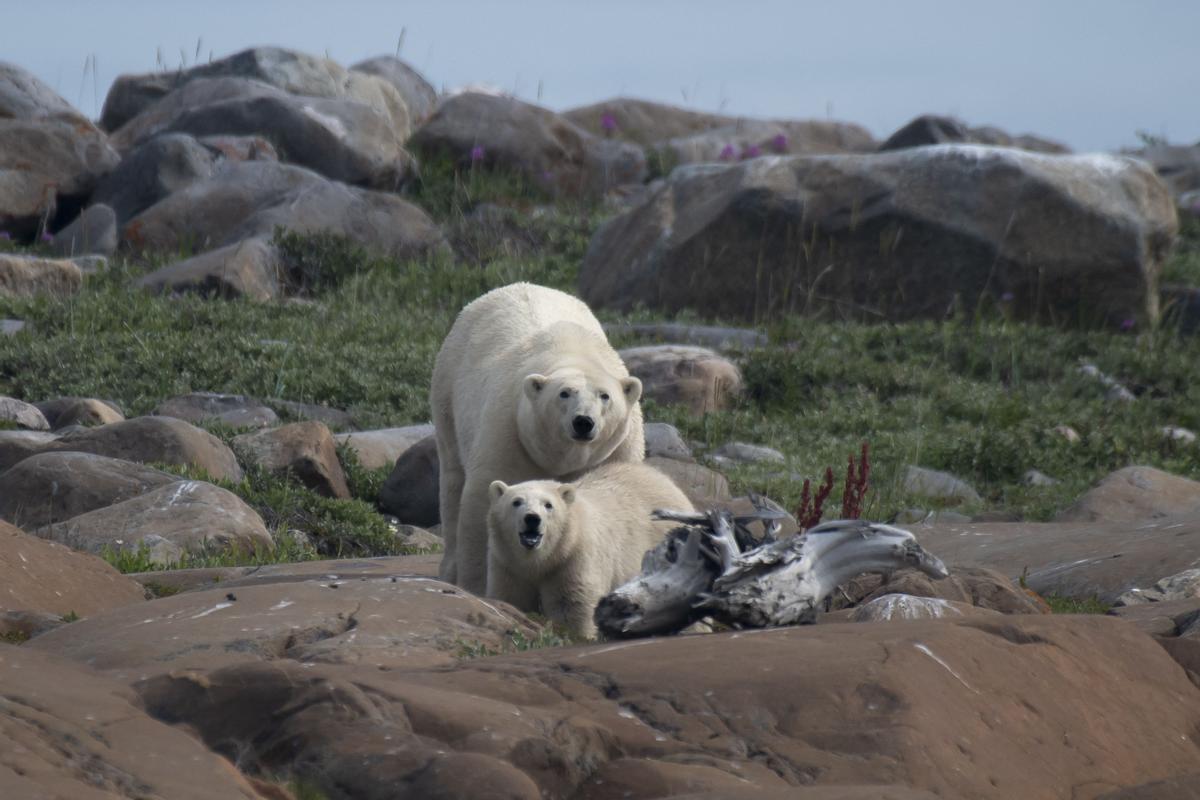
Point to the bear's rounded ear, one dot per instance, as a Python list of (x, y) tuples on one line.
[(632, 387), (497, 490), (535, 383), (567, 493)]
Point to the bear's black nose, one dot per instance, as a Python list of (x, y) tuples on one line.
[(533, 521), (583, 426)]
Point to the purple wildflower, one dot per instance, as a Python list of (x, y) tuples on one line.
[(753, 151), (5, 235), (1127, 324), (608, 123), (780, 143), (727, 153), (1007, 297), (46, 237), (477, 154)]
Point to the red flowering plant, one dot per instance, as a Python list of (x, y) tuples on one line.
[(854, 492)]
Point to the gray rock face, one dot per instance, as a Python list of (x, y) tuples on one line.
[(411, 490), (343, 139), (289, 71), (664, 441), (695, 377), (234, 410), (711, 336), (153, 170), (752, 138), (48, 153), (53, 487), (381, 448), (251, 268), (302, 450), (938, 485), (418, 93), (900, 607), (184, 515), (23, 414), (545, 148), (929, 129), (749, 453), (62, 412), (160, 440), (914, 233), (92, 232), (1133, 494), (251, 199)]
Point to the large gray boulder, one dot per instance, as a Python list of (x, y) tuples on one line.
[(243, 200), (930, 129), (290, 71), (49, 153), (545, 148), (153, 170), (341, 138), (908, 234), (417, 92)]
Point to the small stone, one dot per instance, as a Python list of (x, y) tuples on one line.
[(303, 450), (695, 377), (67, 412), (740, 452), (1033, 477), (1066, 432), (1115, 390), (1180, 435), (234, 410), (11, 327), (418, 539), (410, 491), (938, 485), (382, 448), (93, 231), (27, 276), (663, 440)]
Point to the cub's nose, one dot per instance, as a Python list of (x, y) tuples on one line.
[(533, 521), (583, 425)]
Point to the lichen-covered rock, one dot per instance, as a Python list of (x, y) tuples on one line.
[(907, 234), (304, 451)]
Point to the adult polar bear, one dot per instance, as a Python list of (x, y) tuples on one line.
[(525, 387)]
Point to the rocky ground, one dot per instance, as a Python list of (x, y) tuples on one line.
[(218, 486)]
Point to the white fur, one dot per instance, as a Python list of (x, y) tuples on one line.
[(498, 412), (594, 534)]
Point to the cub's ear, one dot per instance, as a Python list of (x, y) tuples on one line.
[(497, 490), (567, 493), (534, 384), (632, 387)]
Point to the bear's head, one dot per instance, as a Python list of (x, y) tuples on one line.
[(570, 419), (529, 522)]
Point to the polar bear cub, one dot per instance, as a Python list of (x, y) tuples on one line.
[(525, 387), (558, 548)]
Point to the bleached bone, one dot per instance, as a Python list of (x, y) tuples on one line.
[(784, 583), (661, 599), (715, 568)]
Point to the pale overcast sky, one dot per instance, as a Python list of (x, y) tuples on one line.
[(1090, 73)]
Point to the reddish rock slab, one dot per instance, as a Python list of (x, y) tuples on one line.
[(1023, 706), (67, 734), (1073, 559), (37, 575)]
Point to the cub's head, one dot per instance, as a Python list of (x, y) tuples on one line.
[(528, 521), (571, 420)]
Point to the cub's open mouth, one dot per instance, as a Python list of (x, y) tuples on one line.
[(530, 539)]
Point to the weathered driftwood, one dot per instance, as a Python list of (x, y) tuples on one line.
[(714, 567)]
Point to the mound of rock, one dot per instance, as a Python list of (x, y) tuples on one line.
[(929, 129), (914, 233), (546, 149), (50, 154)]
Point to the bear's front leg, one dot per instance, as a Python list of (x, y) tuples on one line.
[(472, 540), (572, 604)]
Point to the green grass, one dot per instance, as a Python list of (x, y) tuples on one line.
[(1183, 266), (14, 637), (1068, 605), (515, 641)]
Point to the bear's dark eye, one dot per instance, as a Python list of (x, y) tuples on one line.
[(516, 503), (564, 394), (549, 507), (604, 396)]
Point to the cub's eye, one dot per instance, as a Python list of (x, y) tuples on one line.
[(516, 503), (604, 396), (564, 394), (549, 507)]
